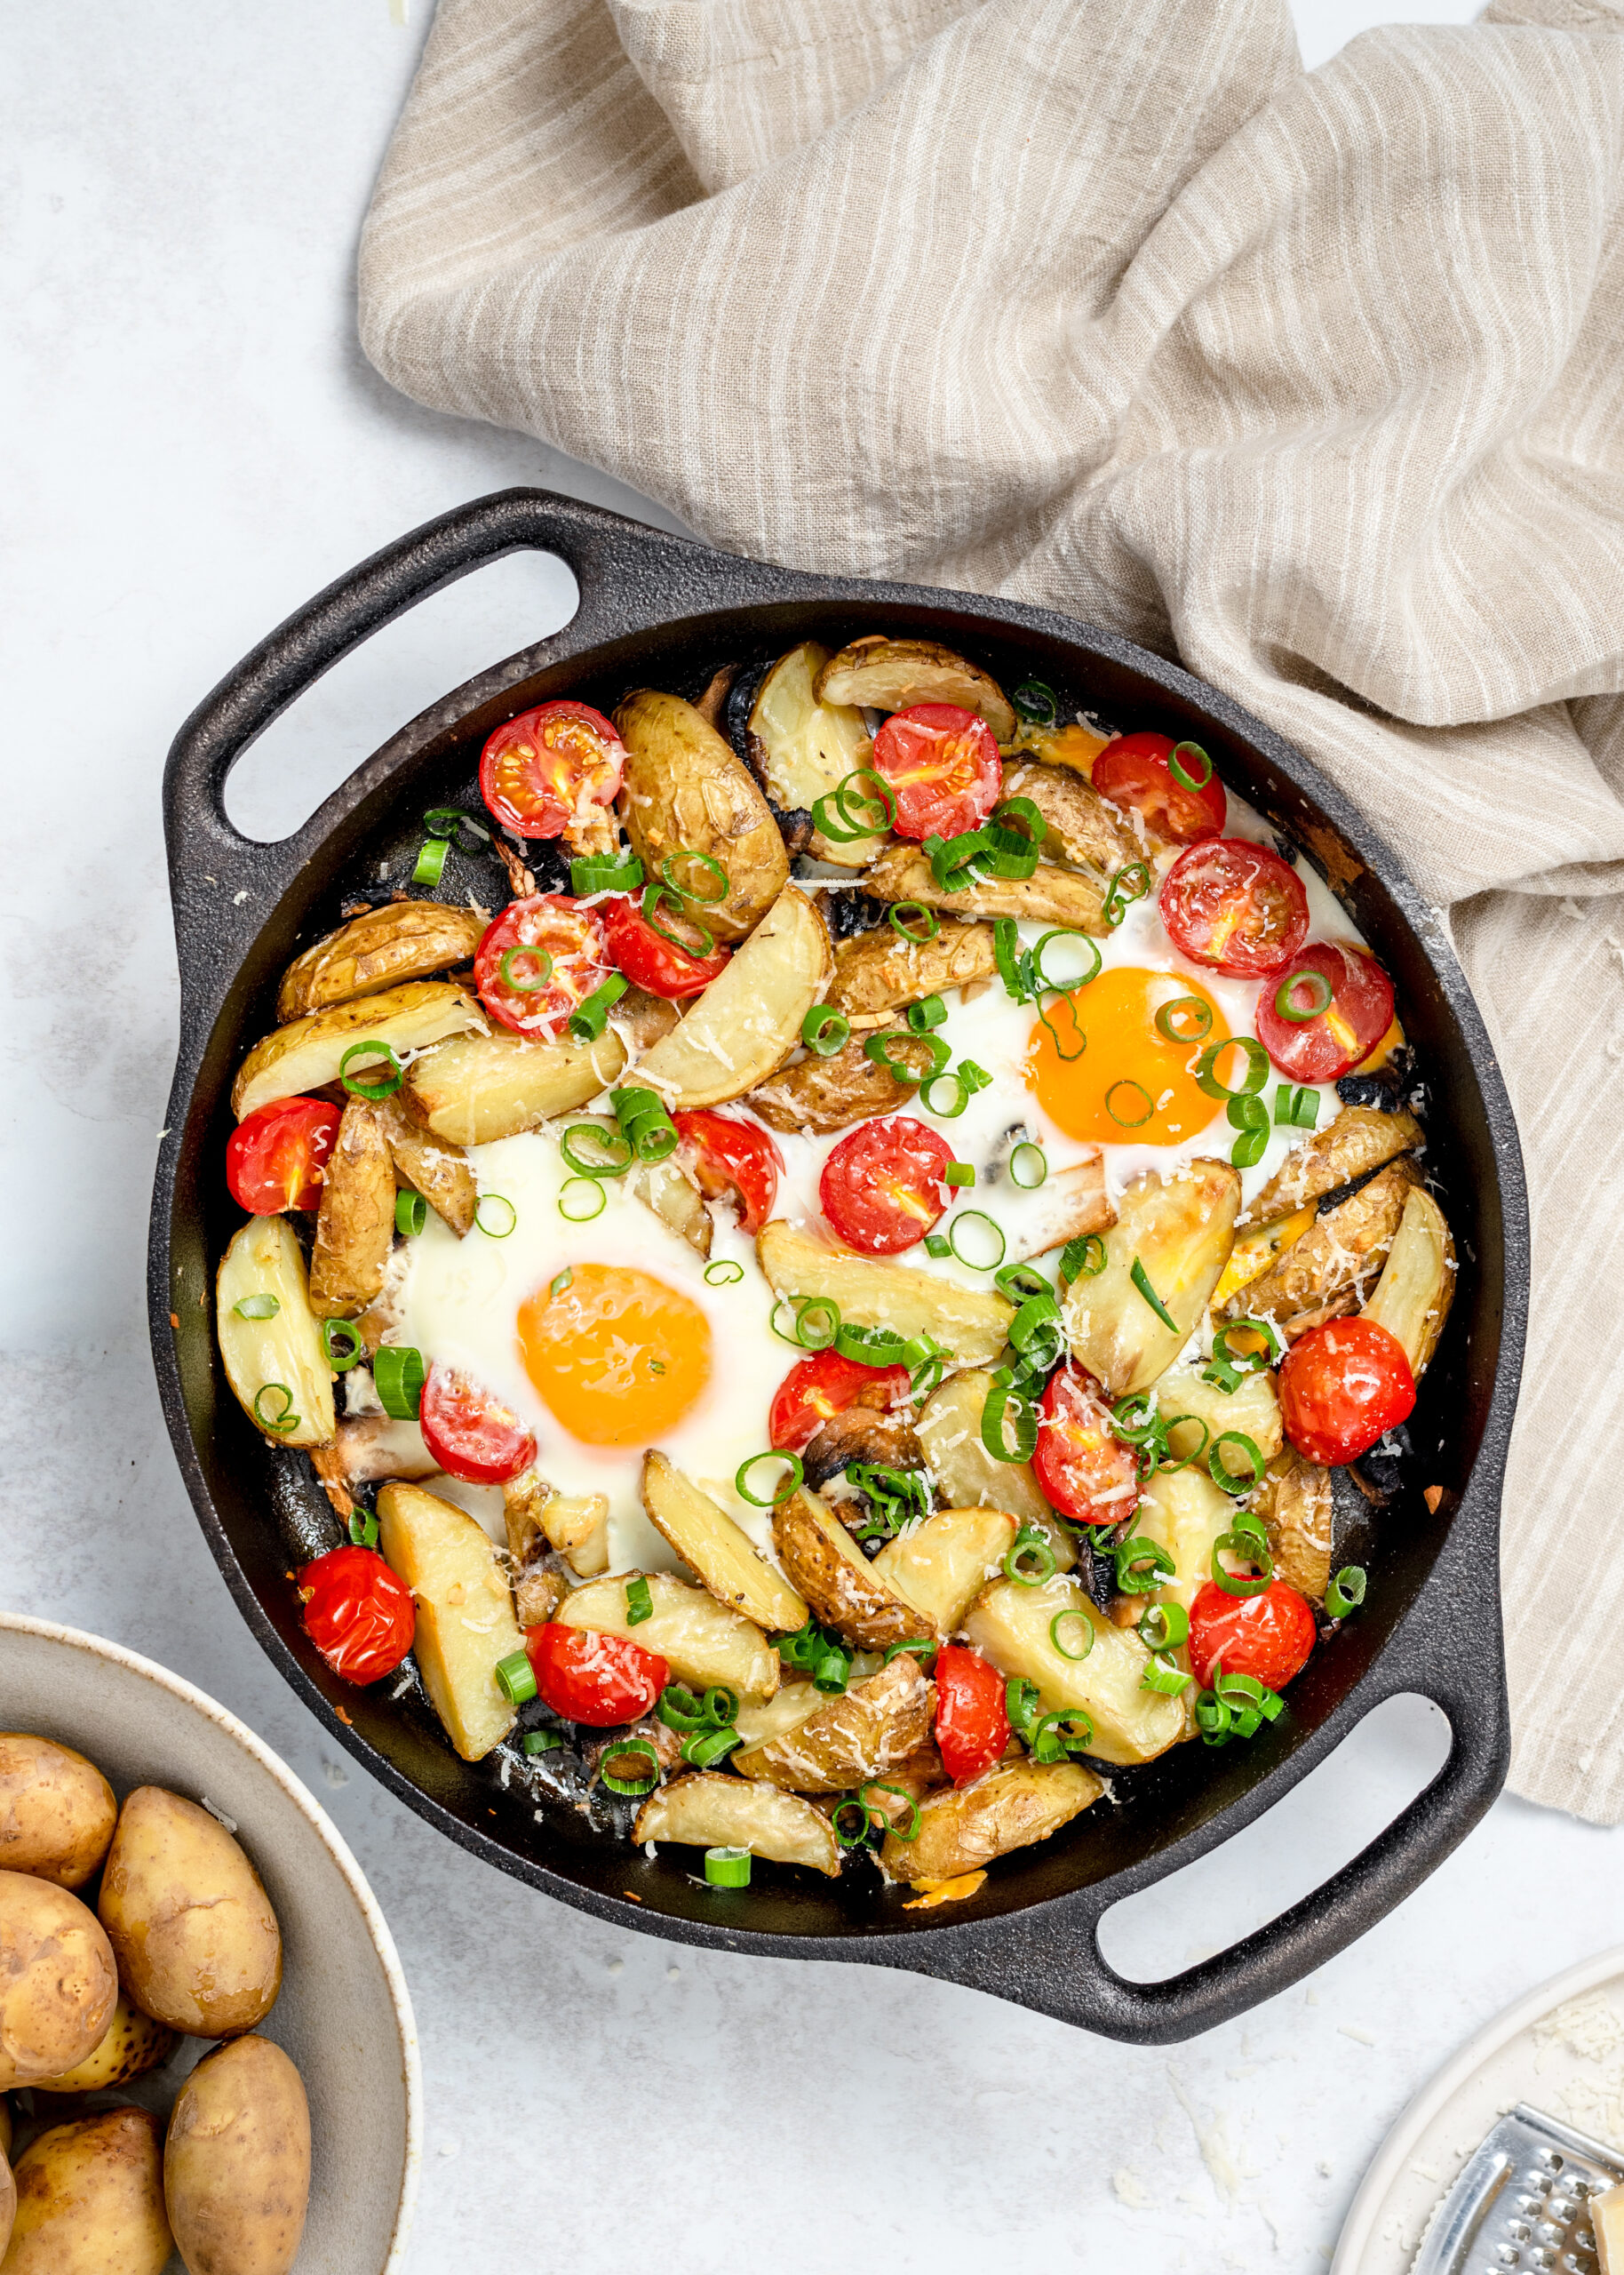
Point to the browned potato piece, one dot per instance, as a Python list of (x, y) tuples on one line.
[(1296, 1506), (818, 1095), (134, 2045), (405, 939), (1179, 1227), (1085, 830), (306, 1054), (196, 1941), (1251, 1408), (863, 1734), (576, 1524), (466, 1625), (483, 1087), (432, 1166), (802, 749), (1183, 1512), (1336, 1261), (825, 1563), (878, 972), (707, 1811), (263, 1357), (1254, 1251), (1013, 1627), (57, 1810), (57, 1981), (965, 1474), (713, 1547), (660, 1185), (972, 1322), (942, 1566), (685, 791), (875, 673), (1073, 1202), (354, 1230), (1360, 1138), (237, 2164), (701, 1641), (1418, 1280), (1007, 1806), (1049, 896), (89, 2200), (748, 1020)]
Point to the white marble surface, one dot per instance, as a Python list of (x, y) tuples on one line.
[(193, 445)]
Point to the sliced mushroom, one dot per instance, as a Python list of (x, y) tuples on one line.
[(1085, 830), (372, 1447), (1361, 1138), (861, 1435), (1331, 1270)]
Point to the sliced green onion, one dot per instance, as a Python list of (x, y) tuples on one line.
[(1176, 768), (955, 1234), (489, 1216), (371, 1050), (1247, 1362), (1346, 1591), (633, 1750), (1014, 833), (1135, 1420), (1124, 1114), (1013, 967), (1084, 1621), (708, 1746), (542, 1741), (1036, 1168), (959, 1174), (708, 863), (1287, 1005), (823, 1030), (596, 873), (840, 1822), (957, 862), (1130, 883), (640, 1603), (823, 1314), (1161, 1674), (1172, 1464), (1021, 1697), (1245, 1547), (721, 1704), (398, 1377), (1036, 701), (1295, 1109), (967, 1077), (430, 864), (447, 821), (923, 1016), (559, 1281), (644, 1120), (725, 1272), (1083, 1259), (658, 897), (589, 1019), (262, 1306), (1021, 1282), (341, 1345), (1056, 1736), (1223, 1477), (1162, 1627), (580, 1198), (1142, 1566), (938, 1245), (1070, 1057), (682, 1710), (864, 813), (791, 1482), (285, 1418), (516, 1678), (831, 1668), (877, 1050), (901, 915), (1141, 1279), (539, 957), (918, 1647), (1006, 1409), (1186, 1019), (868, 1347), (1255, 1076), (1211, 1719), (613, 1150), (1250, 1117), (1019, 1564), (909, 1829), (411, 1209), (727, 1867), (1037, 978)]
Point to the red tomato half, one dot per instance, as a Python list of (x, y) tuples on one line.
[(1331, 1043), (650, 962), (730, 1158), (357, 1613), (275, 1158), (547, 766), (1342, 1387), (469, 1432), (1085, 1469), (881, 1187), (1237, 907), (1267, 1636), (587, 1675), (817, 1389), (1135, 770), (534, 993), (944, 765), (972, 1725)]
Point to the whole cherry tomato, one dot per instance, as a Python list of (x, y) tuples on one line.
[(587, 1675), (1136, 771), (943, 766), (274, 1157), (1321, 1045), (817, 1389), (540, 958), (469, 1432), (359, 1614), (1086, 1470), (881, 1187), (651, 962), (545, 768), (728, 1157), (1267, 1636), (1342, 1387), (971, 1724), (1234, 906)]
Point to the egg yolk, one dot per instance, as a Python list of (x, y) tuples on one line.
[(617, 1355), (1103, 1070)]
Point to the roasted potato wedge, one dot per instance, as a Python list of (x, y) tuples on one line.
[(1085, 830), (717, 1551), (261, 1354), (972, 1323), (1336, 1261), (802, 749), (1007, 1806), (1359, 1139), (1417, 1285), (305, 1055), (1251, 1408), (967, 1475), (1011, 1625), (1180, 1227), (1254, 1251), (707, 1811), (748, 1020), (942, 1566), (133, 2044), (877, 972), (1049, 896), (57, 1981), (1296, 1506), (700, 1639), (577, 1525), (879, 674), (1183, 1512), (90, 2198), (57, 1810), (685, 791), (662, 1187), (818, 1095), (438, 1171), (402, 940), (196, 1941), (465, 1623), (863, 1734), (1072, 1201), (825, 1563), (354, 1226), (483, 1087), (759, 1721), (236, 2162)]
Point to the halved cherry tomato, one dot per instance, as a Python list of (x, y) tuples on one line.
[(648, 960), (1267, 1636), (1085, 1469), (1135, 770), (548, 766), (540, 958), (1234, 906), (1342, 1387), (733, 1159), (971, 1724), (817, 1389), (1330, 1043), (881, 1187), (587, 1675), (274, 1157), (469, 1432), (944, 765), (357, 1613)]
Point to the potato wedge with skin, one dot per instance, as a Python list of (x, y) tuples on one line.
[(1064, 898), (716, 1549), (132, 2045), (942, 1566), (57, 1981), (660, 1185), (1072, 1201), (686, 791), (864, 1733), (1296, 1506), (972, 1322), (196, 1941), (1254, 1251), (967, 1475), (876, 674), (1085, 831), (483, 1087), (90, 2198), (802, 749), (575, 1524), (748, 1020), (1337, 1260), (818, 1095), (305, 1055), (465, 1624), (1360, 1138), (825, 1563), (706, 1811), (57, 1810), (700, 1639), (1011, 1625), (1417, 1286), (354, 1227), (1007, 1806), (260, 1354), (1183, 1512), (236, 2162), (438, 1171), (877, 972), (1180, 1227), (402, 940), (1253, 1408), (759, 1721)]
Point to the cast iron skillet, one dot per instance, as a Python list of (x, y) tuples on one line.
[(659, 610)]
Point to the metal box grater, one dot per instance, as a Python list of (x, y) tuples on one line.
[(1520, 2201)]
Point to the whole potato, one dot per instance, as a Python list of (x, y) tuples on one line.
[(132, 2044), (8, 2193), (58, 1983), (89, 2200), (237, 2166), (57, 1810), (197, 1941)]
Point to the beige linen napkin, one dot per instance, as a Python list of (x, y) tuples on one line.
[(1315, 381)]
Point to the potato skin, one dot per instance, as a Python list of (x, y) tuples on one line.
[(305, 1055), (405, 939), (818, 1095), (864, 1733), (879, 972), (57, 1810), (438, 1171), (131, 2044), (57, 1981), (8, 2190), (483, 1087), (197, 1943), (237, 2164), (1361, 1137), (1085, 830), (685, 789), (89, 2200), (1337, 1263), (1049, 896), (840, 1588), (355, 1229), (1007, 1806)]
